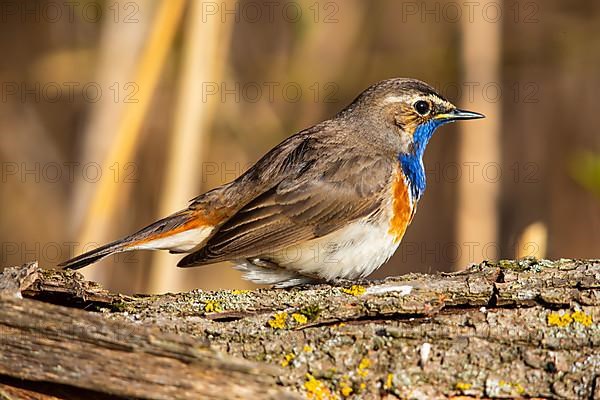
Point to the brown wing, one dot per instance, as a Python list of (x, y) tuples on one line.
[(326, 194)]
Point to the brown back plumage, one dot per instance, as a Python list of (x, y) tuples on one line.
[(305, 188)]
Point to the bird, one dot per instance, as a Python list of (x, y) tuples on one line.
[(331, 202)]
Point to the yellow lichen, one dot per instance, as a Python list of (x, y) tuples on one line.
[(212, 306), (299, 318), (287, 359), (355, 290), (582, 318), (240, 291), (363, 367), (564, 318), (307, 349), (516, 387), (345, 389), (362, 386), (462, 386), (364, 363), (556, 319), (389, 382), (278, 321), (315, 389)]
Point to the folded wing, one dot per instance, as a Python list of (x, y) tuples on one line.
[(327, 193)]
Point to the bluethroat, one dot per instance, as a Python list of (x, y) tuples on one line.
[(331, 202)]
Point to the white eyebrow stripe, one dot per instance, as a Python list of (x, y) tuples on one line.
[(394, 99), (434, 99)]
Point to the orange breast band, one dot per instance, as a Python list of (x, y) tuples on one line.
[(402, 206)]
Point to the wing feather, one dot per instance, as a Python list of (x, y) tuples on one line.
[(311, 202)]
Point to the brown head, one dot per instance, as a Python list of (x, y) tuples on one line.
[(400, 115), (410, 108)]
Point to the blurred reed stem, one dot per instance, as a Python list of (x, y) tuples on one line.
[(477, 209), (205, 50), (104, 201), (116, 59)]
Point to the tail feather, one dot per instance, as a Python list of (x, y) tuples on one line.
[(179, 232), (93, 255)]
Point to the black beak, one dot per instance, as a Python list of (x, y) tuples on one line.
[(457, 114)]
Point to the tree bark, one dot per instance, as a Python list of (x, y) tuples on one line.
[(510, 329)]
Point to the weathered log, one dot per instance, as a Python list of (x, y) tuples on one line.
[(509, 329), (43, 342)]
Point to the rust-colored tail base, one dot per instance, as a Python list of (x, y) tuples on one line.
[(145, 238)]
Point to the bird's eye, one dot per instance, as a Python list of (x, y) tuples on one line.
[(422, 107)]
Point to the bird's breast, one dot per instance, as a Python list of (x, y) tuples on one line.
[(402, 205)]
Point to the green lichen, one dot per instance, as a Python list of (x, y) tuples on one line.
[(311, 312), (119, 306), (530, 264)]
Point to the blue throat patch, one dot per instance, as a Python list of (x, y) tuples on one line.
[(412, 163)]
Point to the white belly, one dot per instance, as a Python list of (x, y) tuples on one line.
[(352, 252)]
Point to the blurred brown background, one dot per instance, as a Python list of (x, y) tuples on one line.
[(114, 114)]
